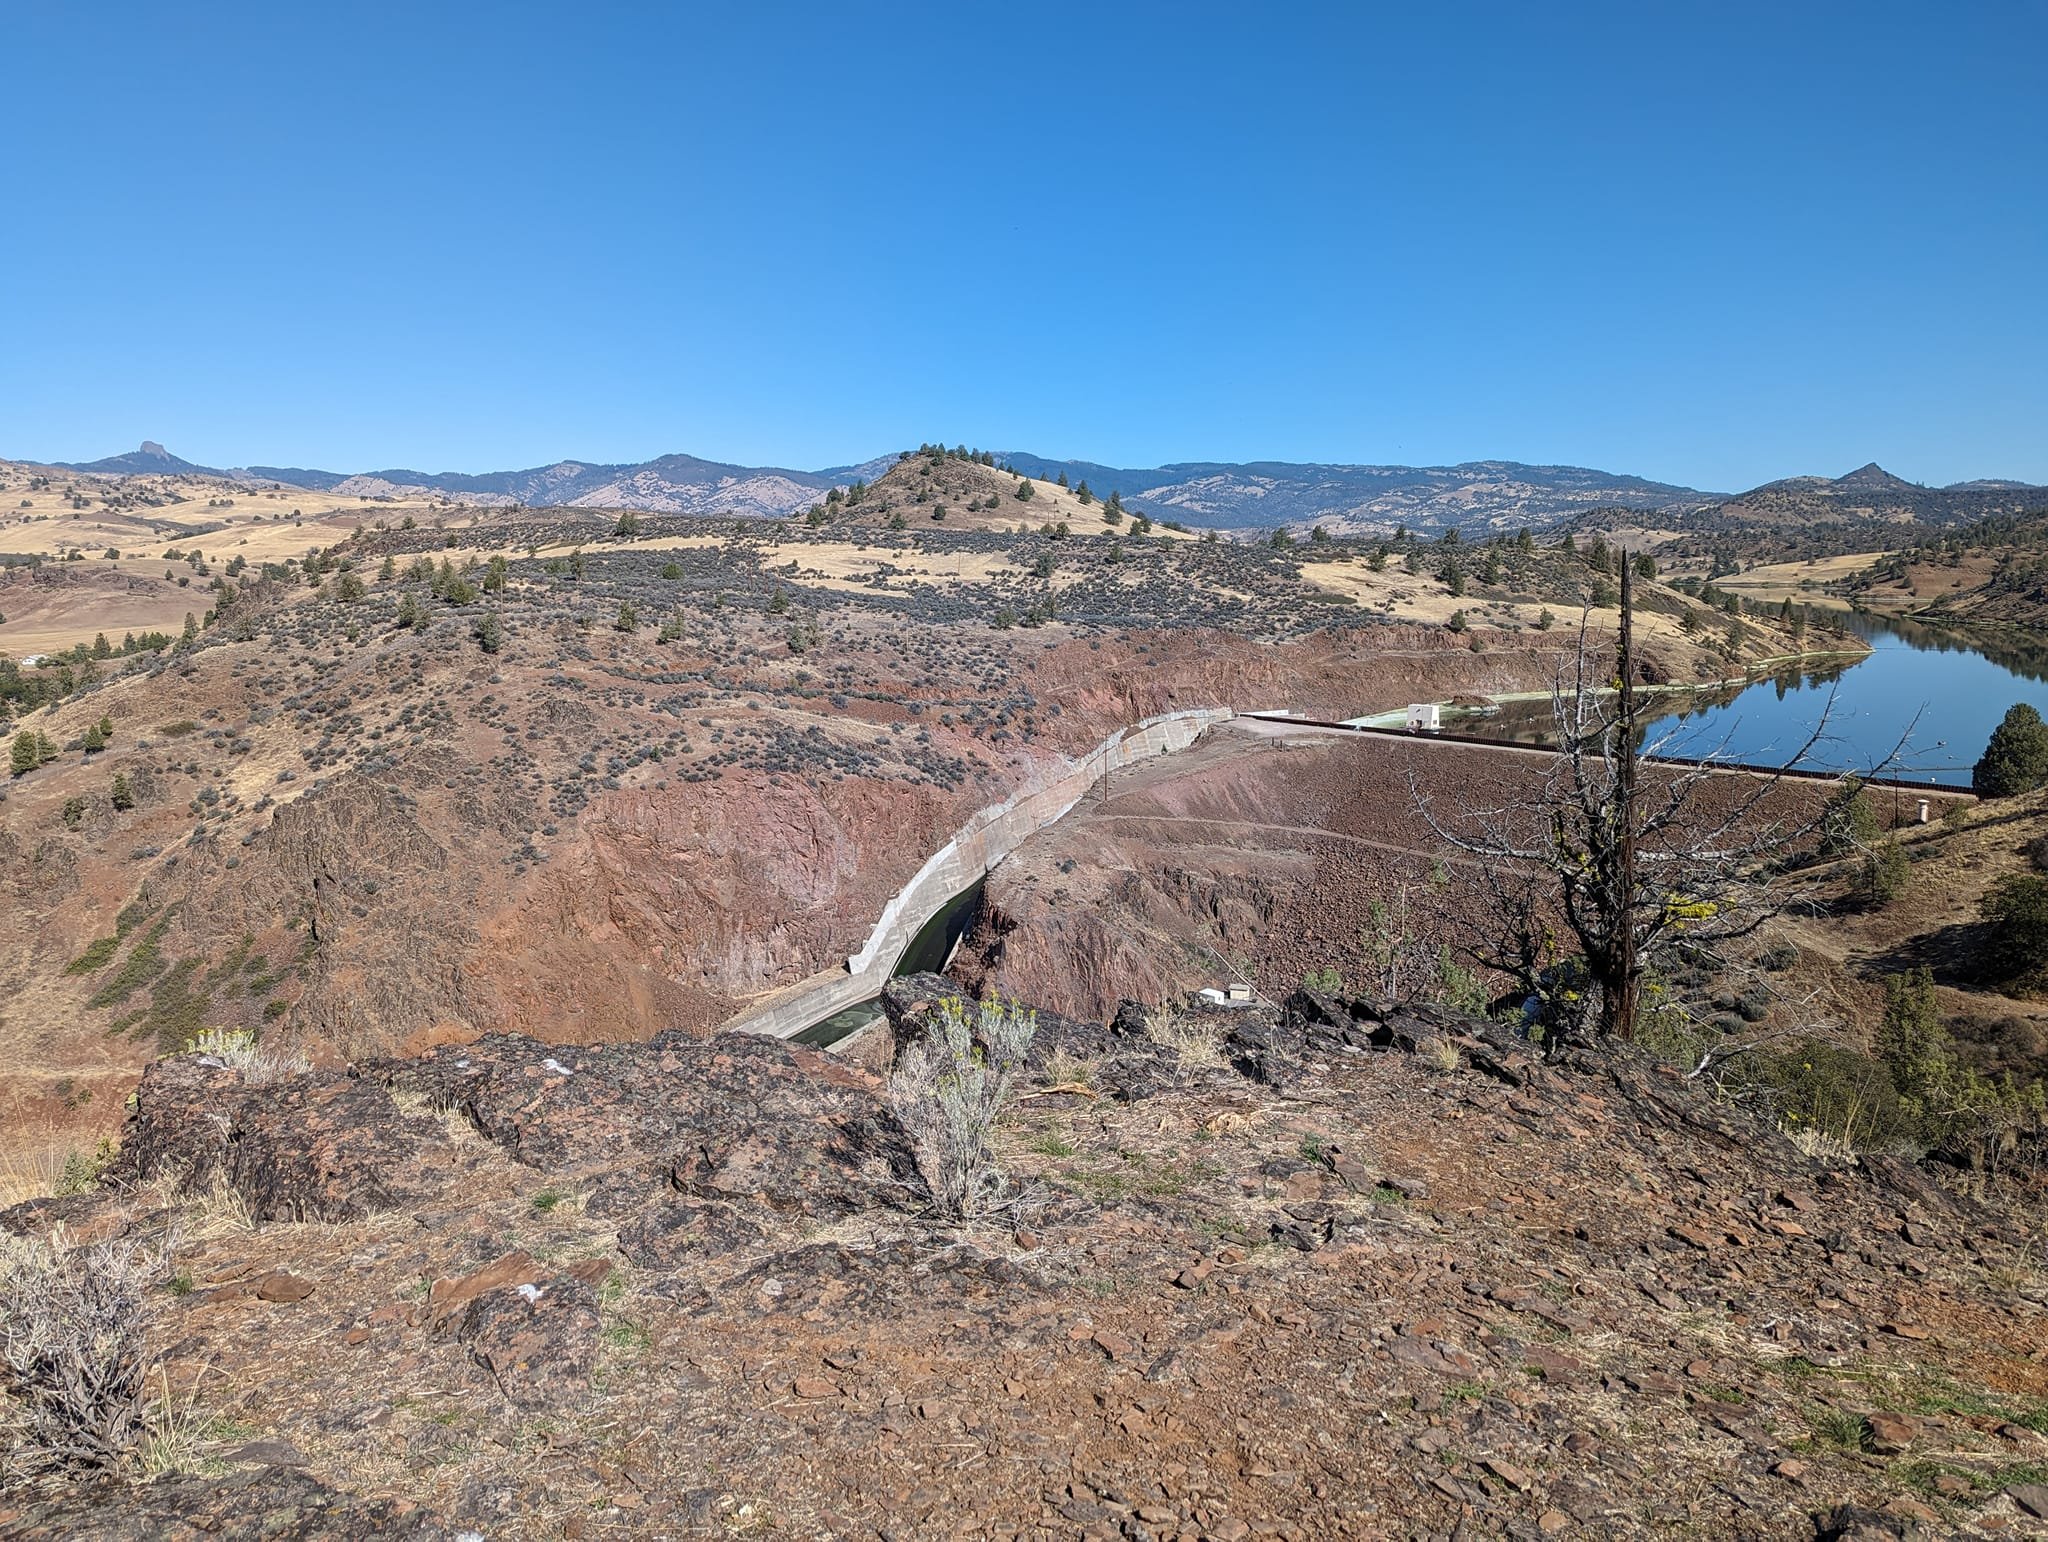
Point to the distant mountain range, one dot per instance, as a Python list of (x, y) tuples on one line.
[(1254, 495), (673, 484), (1265, 494)]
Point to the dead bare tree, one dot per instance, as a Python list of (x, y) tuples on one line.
[(1632, 870)]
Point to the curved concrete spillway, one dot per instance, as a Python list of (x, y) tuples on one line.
[(957, 866)]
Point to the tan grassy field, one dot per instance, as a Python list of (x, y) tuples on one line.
[(1801, 582)]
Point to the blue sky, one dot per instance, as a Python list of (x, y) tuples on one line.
[(1712, 244)]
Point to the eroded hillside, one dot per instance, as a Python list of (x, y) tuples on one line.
[(591, 777)]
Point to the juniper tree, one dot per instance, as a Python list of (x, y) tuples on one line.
[(2016, 759)]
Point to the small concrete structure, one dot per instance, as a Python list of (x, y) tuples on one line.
[(1424, 717), (1238, 991), (1208, 995), (1923, 811)]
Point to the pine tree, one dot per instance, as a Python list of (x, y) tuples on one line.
[(94, 740), (24, 758), (490, 632), (122, 798)]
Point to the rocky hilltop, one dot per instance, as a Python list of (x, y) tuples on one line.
[(1345, 1269)]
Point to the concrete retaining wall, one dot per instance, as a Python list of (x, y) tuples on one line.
[(981, 843)]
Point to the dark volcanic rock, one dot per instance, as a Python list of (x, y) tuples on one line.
[(738, 1118), (661, 1236), (538, 1341), (273, 1503), (318, 1147), (742, 1119)]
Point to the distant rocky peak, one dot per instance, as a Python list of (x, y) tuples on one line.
[(1872, 476), (151, 447)]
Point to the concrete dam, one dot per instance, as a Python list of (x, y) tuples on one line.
[(829, 1001)]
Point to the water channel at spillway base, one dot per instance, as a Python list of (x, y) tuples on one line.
[(931, 949)]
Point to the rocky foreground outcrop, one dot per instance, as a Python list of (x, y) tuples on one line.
[(1339, 1270)]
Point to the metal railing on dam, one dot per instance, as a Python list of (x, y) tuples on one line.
[(986, 838)]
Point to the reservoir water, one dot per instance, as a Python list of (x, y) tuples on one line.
[(1957, 685)]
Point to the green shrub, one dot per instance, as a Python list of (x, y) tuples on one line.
[(95, 957), (144, 963), (1886, 874), (2016, 944)]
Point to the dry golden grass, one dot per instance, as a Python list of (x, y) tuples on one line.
[(1800, 582), (1197, 1040), (23, 1177)]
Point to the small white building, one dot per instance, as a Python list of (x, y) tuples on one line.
[(1424, 717)]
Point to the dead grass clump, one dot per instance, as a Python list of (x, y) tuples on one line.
[(25, 1178), (1066, 1069), (1823, 1146), (72, 1352), (238, 1050), (1442, 1055), (1197, 1040)]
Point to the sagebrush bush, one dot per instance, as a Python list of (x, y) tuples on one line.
[(947, 1091), (72, 1354)]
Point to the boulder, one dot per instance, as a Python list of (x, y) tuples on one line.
[(322, 1146)]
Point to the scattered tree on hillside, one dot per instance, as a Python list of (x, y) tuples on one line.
[(2016, 759)]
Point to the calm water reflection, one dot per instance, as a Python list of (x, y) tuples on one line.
[(1959, 685)]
